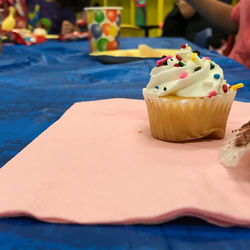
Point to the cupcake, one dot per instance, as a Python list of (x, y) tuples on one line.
[(187, 97)]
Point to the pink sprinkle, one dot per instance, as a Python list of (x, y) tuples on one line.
[(184, 75), (208, 58), (160, 62), (212, 93)]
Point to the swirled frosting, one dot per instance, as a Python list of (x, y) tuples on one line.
[(187, 74)]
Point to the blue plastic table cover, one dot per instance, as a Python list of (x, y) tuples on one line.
[(37, 85)]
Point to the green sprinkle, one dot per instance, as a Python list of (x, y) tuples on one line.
[(181, 64)]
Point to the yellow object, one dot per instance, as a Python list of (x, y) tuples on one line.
[(51, 36), (133, 53), (237, 86), (160, 15), (193, 57), (90, 16), (9, 22), (113, 31), (129, 30), (93, 45), (129, 55), (32, 15)]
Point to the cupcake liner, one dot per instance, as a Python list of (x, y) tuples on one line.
[(184, 119)]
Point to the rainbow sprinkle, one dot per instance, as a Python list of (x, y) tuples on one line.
[(225, 88), (197, 52), (181, 64), (183, 75), (179, 57), (197, 69), (212, 93), (216, 76), (193, 57), (211, 66), (160, 62), (237, 86)]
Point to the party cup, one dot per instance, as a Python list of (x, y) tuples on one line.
[(104, 28)]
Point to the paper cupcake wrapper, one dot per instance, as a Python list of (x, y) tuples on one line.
[(188, 118)]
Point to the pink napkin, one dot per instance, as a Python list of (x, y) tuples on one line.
[(94, 166)]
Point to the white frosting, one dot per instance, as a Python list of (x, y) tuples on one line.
[(166, 80)]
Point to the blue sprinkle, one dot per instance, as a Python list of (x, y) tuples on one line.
[(216, 76), (156, 87)]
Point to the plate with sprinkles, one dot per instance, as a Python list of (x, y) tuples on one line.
[(122, 56)]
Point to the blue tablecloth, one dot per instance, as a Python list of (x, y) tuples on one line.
[(37, 85)]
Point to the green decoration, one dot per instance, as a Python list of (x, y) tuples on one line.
[(45, 23), (102, 44), (99, 16)]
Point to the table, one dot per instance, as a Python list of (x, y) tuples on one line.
[(37, 85)]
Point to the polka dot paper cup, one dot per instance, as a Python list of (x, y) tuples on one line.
[(104, 28)]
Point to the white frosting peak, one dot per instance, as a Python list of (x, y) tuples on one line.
[(186, 75)]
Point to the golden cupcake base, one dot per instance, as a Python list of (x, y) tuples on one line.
[(178, 119)]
